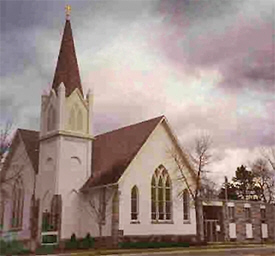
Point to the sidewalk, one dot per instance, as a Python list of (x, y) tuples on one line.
[(173, 250)]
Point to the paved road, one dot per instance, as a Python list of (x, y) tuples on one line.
[(222, 252)]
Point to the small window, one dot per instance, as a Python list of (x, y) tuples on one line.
[(49, 165), (186, 205), (263, 215), (75, 164), (231, 213), (134, 203), (247, 213)]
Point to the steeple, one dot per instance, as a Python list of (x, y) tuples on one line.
[(67, 69)]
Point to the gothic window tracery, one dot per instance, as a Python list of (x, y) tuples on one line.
[(17, 204), (161, 203)]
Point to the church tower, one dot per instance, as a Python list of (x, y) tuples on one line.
[(65, 144)]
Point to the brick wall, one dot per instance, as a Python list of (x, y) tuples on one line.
[(255, 220)]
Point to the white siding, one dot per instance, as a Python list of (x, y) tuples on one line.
[(20, 158), (153, 153)]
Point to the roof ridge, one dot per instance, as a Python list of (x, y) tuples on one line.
[(131, 125)]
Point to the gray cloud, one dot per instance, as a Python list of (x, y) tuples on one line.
[(136, 56)]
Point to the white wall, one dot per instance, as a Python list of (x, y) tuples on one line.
[(21, 160), (153, 153), (89, 214), (70, 152), (72, 176)]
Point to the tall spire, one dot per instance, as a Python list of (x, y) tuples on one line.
[(67, 69)]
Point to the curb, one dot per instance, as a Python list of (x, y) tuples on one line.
[(182, 250)]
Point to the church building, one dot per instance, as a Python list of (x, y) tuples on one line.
[(121, 185)]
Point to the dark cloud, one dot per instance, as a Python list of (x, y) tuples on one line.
[(187, 12), (138, 54), (240, 46)]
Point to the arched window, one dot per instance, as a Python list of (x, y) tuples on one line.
[(51, 119), (79, 120), (49, 165), (76, 118), (75, 164), (17, 204), (134, 203), (161, 203), (186, 205), (72, 119)]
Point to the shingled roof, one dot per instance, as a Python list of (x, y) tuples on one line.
[(67, 68), (111, 154), (113, 151), (31, 142)]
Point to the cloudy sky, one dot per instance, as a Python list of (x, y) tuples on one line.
[(207, 65)]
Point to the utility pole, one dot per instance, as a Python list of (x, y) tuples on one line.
[(226, 223)]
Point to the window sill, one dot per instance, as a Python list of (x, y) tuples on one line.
[(186, 222), (135, 222), (162, 222)]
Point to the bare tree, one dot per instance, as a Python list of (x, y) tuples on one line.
[(98, 205), (264, 180), (7, 175), (6, 153), (268, 153), (5, 180), (200, 159), (209, 189)]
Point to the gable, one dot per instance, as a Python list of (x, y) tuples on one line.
[(113, 151), (181, 152), (75, 104), (158, 150), (30, 140)]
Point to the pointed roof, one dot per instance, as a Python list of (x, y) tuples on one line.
[(31, 141), (113, 151), (67, 68)]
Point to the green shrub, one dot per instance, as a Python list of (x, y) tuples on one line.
[(12, 247), (72, 243), (86, 243), (46, 249)]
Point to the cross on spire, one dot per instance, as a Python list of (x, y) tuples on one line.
[(68, 9), (67, 69)]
